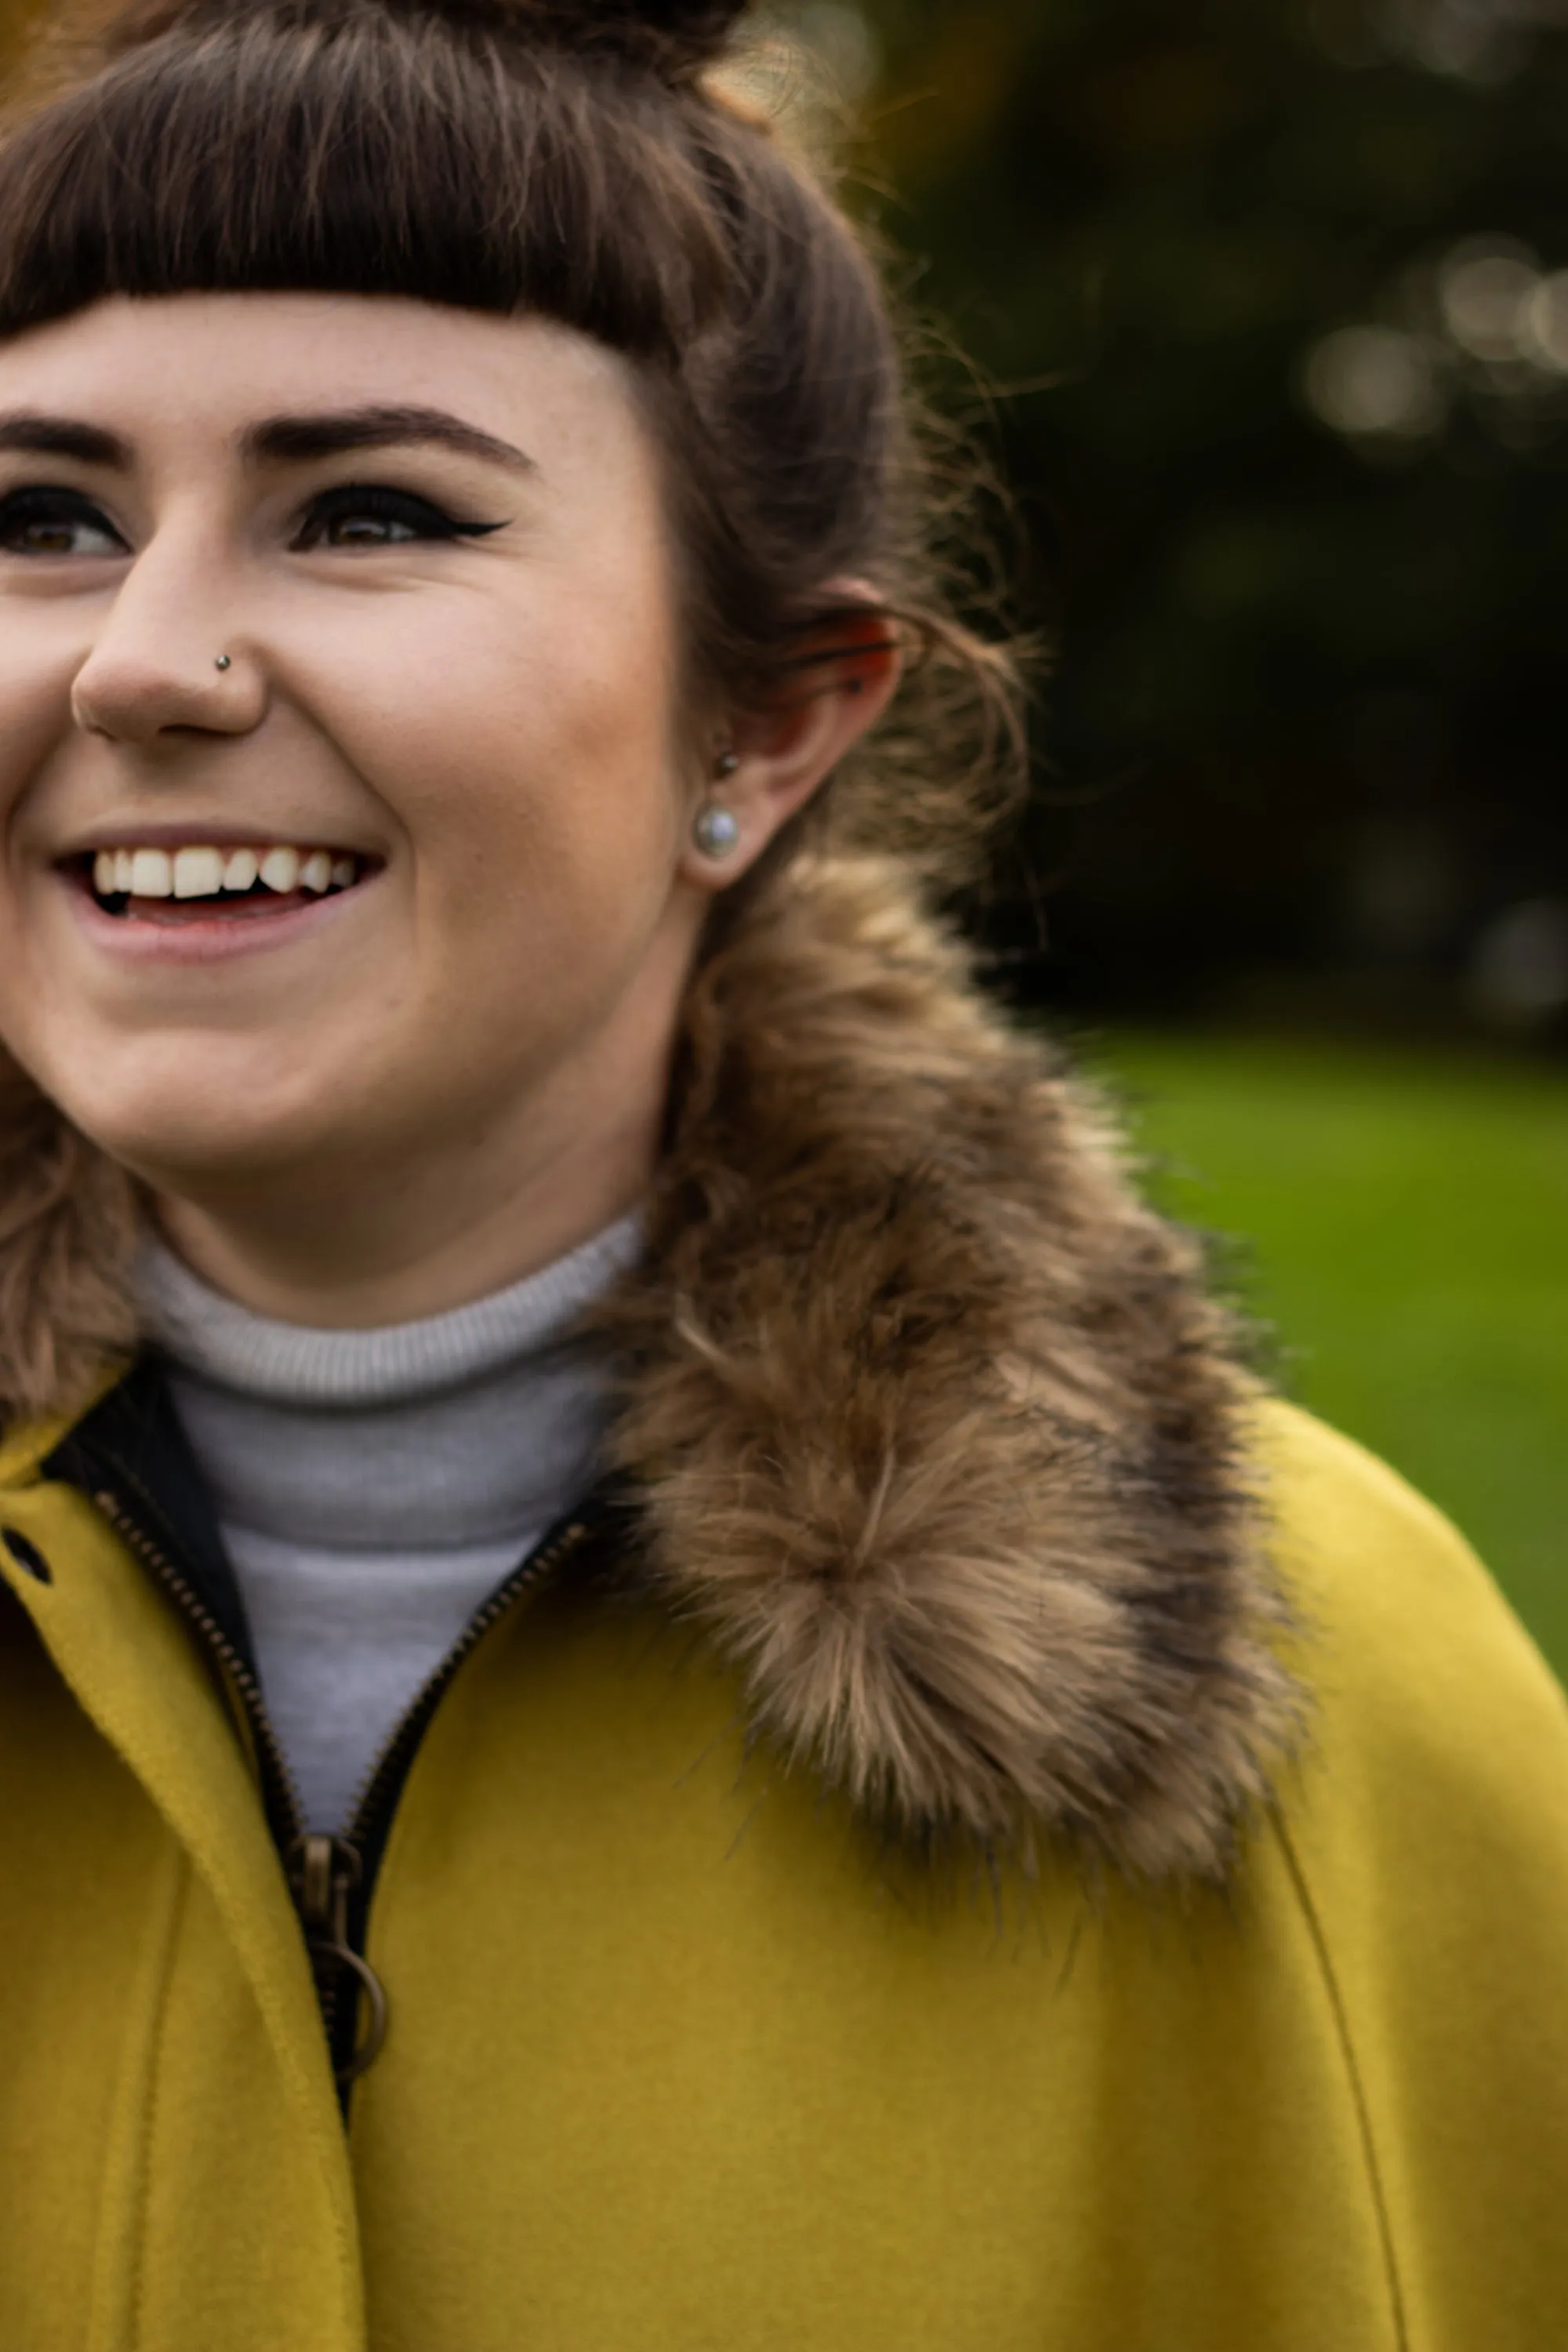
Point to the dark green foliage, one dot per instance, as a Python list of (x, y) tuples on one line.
[(1306, 739)]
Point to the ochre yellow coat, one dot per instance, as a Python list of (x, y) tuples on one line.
[(681, 2062)]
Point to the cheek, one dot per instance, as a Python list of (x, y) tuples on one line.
[(533, 775), (35, 715), (34, 748)]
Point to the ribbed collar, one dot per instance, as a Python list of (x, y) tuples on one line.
[(478, 1426), (398, 1364)]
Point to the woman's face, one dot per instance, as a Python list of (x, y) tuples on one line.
[(371, 602)]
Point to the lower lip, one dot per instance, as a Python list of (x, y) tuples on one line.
[(211, 939)]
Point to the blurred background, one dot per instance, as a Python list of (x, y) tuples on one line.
[(1271, 301)]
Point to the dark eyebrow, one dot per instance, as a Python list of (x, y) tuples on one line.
[(295, 440), (64, 436)]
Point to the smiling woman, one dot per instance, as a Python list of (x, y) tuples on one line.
[(451, 684), (593, 1445)]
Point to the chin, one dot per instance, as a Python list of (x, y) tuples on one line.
[(189, 1154), (209, 1123)]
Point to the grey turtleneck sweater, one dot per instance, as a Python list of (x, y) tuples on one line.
[(373, 1487)]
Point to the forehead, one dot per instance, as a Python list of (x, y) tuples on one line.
[(196, 370)]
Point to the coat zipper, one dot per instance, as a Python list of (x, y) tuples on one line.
[(370, 1819), (280, 1796), (322, 1872), (327, 1875)]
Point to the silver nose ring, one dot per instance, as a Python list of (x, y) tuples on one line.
[(224, 661)]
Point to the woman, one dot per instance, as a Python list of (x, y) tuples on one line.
[(660, 1684)]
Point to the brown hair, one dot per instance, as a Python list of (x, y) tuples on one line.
[(580, 162)]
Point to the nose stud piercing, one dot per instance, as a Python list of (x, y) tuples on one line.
[(224, 661), (717, 829)]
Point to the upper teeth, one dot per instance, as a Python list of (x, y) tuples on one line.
[(203, 872)]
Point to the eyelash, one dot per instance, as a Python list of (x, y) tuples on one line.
[(42, 504), (386, 506)]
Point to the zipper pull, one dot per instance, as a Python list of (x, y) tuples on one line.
[(323, 1873)]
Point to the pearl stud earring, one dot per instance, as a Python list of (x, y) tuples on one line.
[(716, 829)]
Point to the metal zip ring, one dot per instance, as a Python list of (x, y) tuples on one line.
[(369, 2049)]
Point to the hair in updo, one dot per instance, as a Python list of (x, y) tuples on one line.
[(581, 162)]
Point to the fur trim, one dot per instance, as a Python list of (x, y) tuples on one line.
[(69, 1223), (938, 1432)]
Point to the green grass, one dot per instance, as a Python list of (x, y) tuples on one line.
[(1404, 1226)]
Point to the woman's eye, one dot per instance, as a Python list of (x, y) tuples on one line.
[(48, 522), (357, 517)]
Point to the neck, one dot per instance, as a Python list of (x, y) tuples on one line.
[(342, 1249)]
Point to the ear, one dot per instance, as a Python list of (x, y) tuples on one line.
[(838, 684)]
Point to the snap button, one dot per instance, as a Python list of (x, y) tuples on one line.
[(27, 1555)]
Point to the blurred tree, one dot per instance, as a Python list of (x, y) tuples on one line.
[(1276, 296), (14, 20)]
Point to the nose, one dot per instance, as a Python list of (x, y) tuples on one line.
[(163, 666)]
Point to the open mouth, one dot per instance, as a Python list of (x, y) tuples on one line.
[(197, 882)]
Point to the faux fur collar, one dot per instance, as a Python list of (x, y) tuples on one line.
[(938, 1434), (939, 1431)]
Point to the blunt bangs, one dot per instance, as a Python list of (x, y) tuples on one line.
[(374, 155), (580, 161)]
